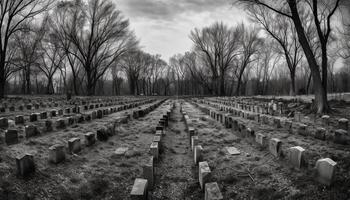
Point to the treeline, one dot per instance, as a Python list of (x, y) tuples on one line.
[(86, 47)]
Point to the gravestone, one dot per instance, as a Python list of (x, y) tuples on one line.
[(204, 173), (212, 192), (139, 189), (74, 145), (57, 153), (25, 165), (296, 156), (325, 170), (275, 146), (90, 139), (11, 136)]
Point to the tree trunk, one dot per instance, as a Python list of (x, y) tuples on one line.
[(292, 79), (320, 93), (2, 81)]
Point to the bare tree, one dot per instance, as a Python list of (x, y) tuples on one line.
[(323, 11), (282, 30), (99, 34), (217, 46), (249, 45), (14, 14)]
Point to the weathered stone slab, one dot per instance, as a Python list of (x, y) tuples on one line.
[(204, 173), (74, 145), (11, 136), (197, 154), (139, 189), (194, 142), (275, 146), (90, 139), (148, 172), (212, 192), (57, 153), (233, 151), (296, 156), (19, 119), (343, 124), (154, 150), (25, 165), (30, 131), (325, 170), (261, 139)]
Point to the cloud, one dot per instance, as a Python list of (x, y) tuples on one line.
[(168, 9), (163, 26)]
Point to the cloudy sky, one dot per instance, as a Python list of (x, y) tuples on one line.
[(163, 26)]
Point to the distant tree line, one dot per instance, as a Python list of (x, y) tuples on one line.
[(86, 47)]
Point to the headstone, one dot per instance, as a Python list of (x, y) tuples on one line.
[(60, 124), (275, 146), (343, 124), (33, 117), (25, 165), (139, 189), (204, 173), (325, 170), (90, 139), (154, 150), (320, 133), (325, 120), (194, 142), (3, 122), (296, 156), (43, 115), (260, 139), (340, 136), (197, 154), (30, 131), (74, 145), (233, 151), (57, 153), (302, 129), (212, 192), (11, 136), (148, 172), (19, 119), (102, 134)]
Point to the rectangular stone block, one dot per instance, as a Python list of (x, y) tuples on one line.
[(148, 172), (341, 136), (30, 131), (275, 146), (197, 154), (25, 165), (154, 150), (325, 171), (139, 190), (19, 119), (204, 173), (48, 126), (57, 153), (90, 139), (212, 192), (194, 142), (11, 136), (296, 156), (261, 139), (61, 124), (74, 145), (33, 117), (43, 115), (343, 124), (302, 129)]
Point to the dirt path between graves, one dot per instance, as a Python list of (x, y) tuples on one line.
[(175, 174)]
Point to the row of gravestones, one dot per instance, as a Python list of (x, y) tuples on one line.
[(142, 186), (57, 153), (340, 135), (272, 108), (298, 117), (11, 135), (87, 105), (211, 189), (325, 167), (20, 119)]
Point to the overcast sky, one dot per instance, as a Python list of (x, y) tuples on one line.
[(163, 26)]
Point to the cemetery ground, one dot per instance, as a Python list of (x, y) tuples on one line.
[(107, 168)]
